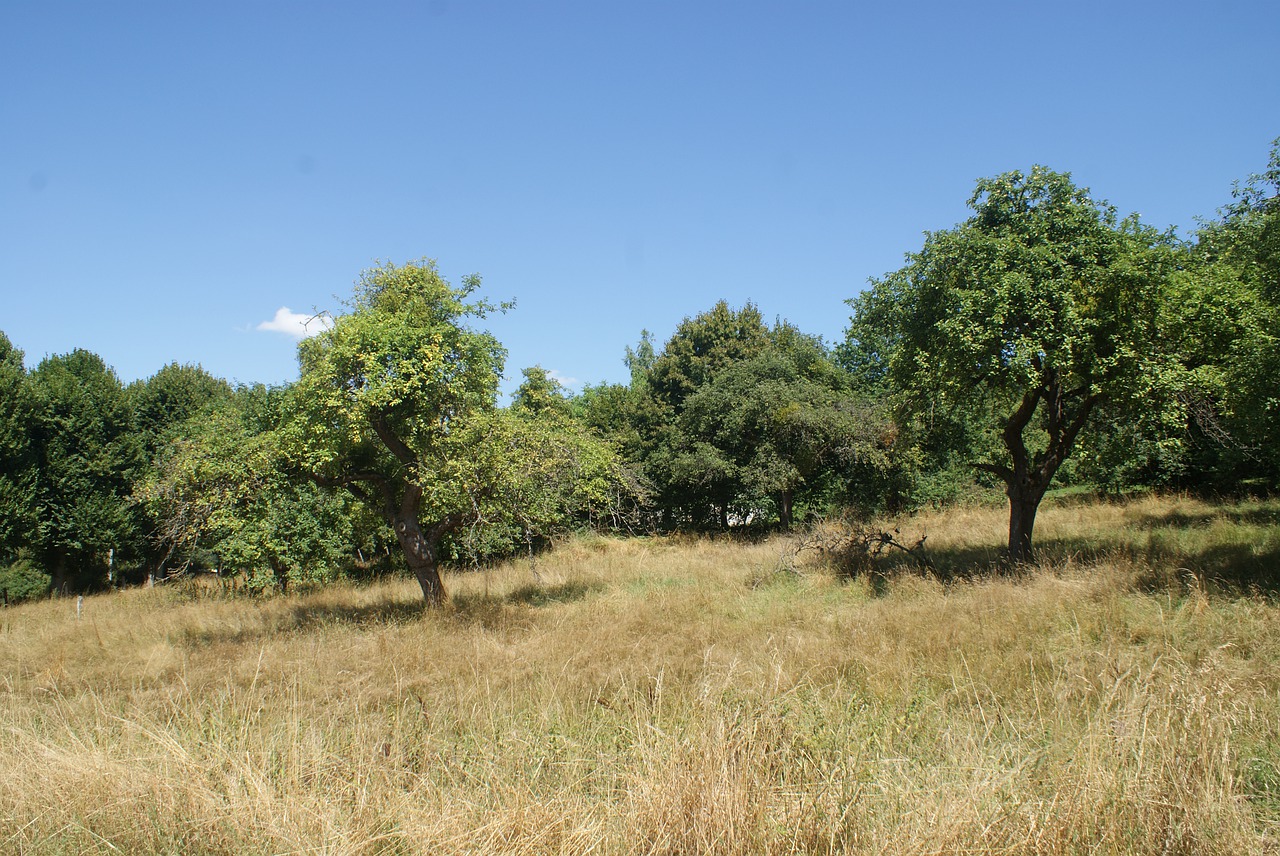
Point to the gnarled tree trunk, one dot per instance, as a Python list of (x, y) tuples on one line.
[(1026, 482), (420, 551), (420, 545)]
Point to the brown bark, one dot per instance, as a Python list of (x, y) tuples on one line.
[(399, 502), (1024, 502), (420, 546), (420, 553), (1028, 479), (785, 503)]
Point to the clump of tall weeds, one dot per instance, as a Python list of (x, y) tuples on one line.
[(852, 548)]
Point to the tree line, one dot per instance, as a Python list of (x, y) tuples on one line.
[(1043, 341)]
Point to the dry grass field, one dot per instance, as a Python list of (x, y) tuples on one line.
[(678, 696)]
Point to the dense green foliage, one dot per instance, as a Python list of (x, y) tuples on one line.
[(701, 347), (734, 423), (397, 405), (18, 453), (776, 433), (1043, 341), (1021, 322), (1043, 329), (1231, 311), (89, 455), (220, 493), (22, 580)]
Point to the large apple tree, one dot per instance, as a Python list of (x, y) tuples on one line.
[(385, 400), (397, 405), (1022, 321)]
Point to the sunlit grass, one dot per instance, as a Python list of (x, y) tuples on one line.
[(679, 696)]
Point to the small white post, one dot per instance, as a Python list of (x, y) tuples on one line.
[(79, 606)]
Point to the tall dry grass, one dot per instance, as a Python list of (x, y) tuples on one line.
[(678, 696)]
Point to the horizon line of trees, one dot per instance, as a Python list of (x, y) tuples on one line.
[(1043, 341)]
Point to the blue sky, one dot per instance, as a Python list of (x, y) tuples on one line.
[(172, 175)]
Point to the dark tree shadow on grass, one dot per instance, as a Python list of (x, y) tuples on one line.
[(459, 607), (1244, 562), (1264, 516), (483, 610), (1232, 569), (541, 595), (385, 612), (488, 610)]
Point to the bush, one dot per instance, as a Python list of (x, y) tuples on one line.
[(852, 547), (22, 580)]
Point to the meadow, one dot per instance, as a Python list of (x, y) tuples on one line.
[(679, 696)]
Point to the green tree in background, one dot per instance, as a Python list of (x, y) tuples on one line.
[(20, 576), (693, 485), (1230, 307), (1025, 319), (162, 403), (89, 455), (18, 454), (776, 436), (540, 393), (534, 475), (734, 421), (700, 347), (220, 487), (1218, 327), (628, 415), (163, 407)]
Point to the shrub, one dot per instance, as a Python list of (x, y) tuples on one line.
[(23, 580)]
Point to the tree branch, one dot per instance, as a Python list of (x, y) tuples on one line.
[(1013, 429), (446, 524), (354, 484), (1063, 439), (393, 443), (409, 501), (357, 490), (998, 470)]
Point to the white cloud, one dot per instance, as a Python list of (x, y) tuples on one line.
[(299, 325), (567, 382)]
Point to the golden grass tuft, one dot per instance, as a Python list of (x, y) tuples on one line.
[(676, 696)]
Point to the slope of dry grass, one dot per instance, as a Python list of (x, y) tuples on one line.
[(678, 696)]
